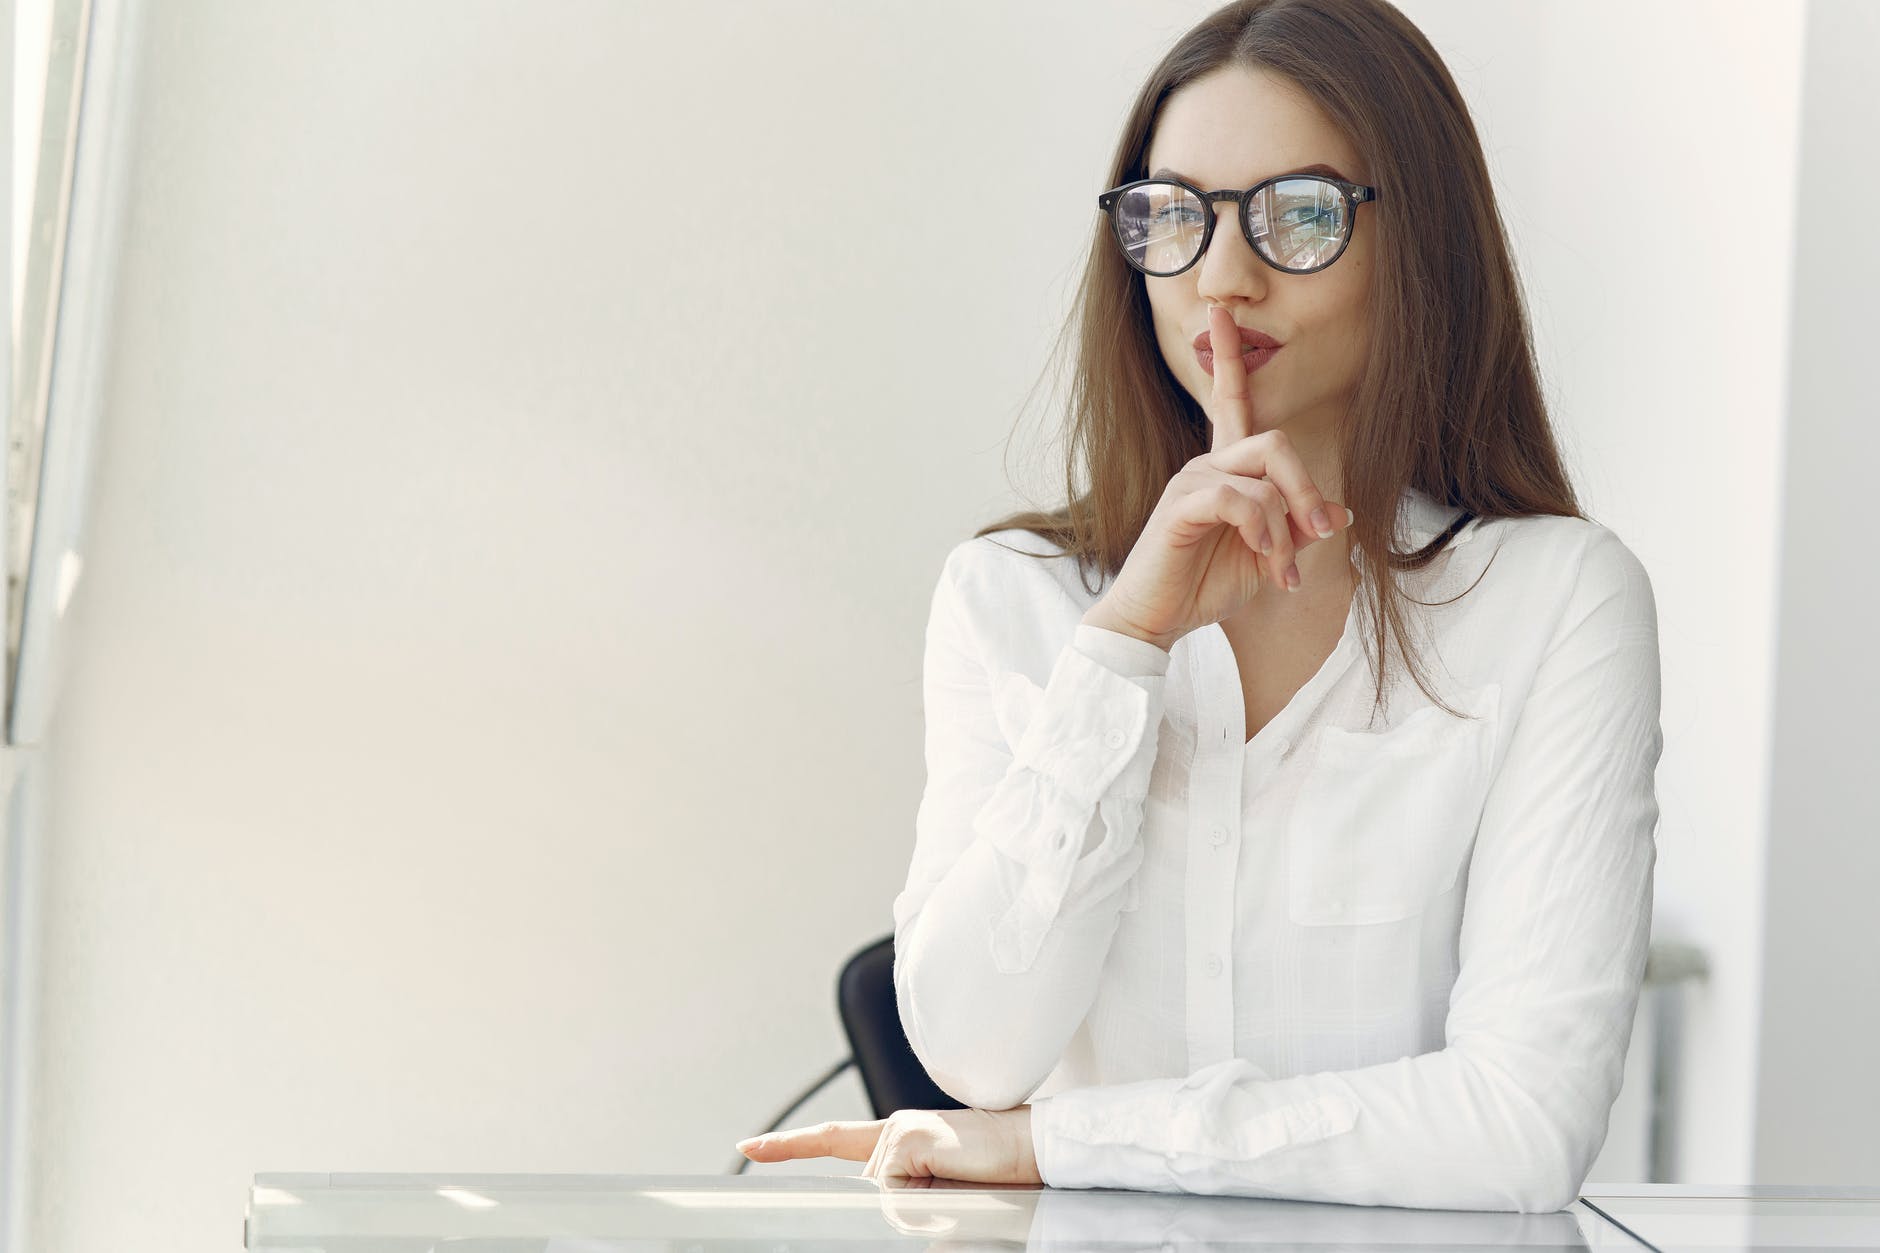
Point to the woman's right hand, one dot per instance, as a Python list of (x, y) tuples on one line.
[(1228, 523)]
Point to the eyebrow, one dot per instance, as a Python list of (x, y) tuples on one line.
[(1165, 172)]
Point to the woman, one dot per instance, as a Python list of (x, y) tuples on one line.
[(1235, 904)]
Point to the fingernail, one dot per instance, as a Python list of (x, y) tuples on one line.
[(1292, 577), (1350, 517), (1322, 522)]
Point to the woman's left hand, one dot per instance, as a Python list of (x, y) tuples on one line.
[(976, 1145)]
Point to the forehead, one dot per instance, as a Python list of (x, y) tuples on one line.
[(1238, 125)]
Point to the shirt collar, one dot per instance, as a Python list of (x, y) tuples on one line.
[(1422, 517)]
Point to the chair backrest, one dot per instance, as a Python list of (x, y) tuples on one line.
[(892, 1076)]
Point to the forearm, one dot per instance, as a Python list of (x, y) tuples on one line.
[(986, 1033), (999, 947)]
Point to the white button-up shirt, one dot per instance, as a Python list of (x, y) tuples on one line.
[(1382, 962)]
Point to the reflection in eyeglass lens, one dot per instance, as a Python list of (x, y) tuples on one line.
[(1160, 226), (1298, 224)]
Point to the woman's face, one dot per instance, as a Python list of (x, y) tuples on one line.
[(1228, 130)]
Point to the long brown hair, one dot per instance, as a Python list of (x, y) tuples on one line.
[(1449, 400)]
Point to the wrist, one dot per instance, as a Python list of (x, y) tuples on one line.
[(1102, 617)]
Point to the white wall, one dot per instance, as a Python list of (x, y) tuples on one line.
[(29, 34), (493, 703), (1818, 1095)]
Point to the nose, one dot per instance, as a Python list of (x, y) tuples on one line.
[(1230, 268)]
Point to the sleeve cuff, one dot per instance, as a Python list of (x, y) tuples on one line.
[(1127, 1135), (1093, 724), (1091, 733), (1048, 1147), (1090, 739), (1065, 1160), (1125, 654)]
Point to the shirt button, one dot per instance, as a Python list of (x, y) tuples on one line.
[(1214, 966), (1114, 738), (1218, 835), (1283, 746)]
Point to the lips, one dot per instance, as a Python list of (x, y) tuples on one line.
[(1250, 339)]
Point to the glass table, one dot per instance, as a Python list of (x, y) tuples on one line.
[(472, 1213)]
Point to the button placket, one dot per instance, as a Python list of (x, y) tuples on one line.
[(1213, 828)]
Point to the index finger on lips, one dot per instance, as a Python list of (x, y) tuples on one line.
[(1233, 410)]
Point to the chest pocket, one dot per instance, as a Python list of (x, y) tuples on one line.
[(1385, 819)]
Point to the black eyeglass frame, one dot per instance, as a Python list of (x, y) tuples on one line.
[(1355, 194)]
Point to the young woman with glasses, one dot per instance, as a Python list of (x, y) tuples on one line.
[(1289, 821)]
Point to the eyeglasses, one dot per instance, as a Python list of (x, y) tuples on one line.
[(1296, 223)]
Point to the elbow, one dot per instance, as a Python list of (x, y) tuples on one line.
[(963, 1062), (1549, 1197), (964, 1069), (1521, 1174), (1548, 1167), (1537, 1146), (969, 1075), (1557, 1165), (1546, 1190), (983, 1091)]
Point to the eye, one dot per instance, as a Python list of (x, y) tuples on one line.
[(1184, 212)]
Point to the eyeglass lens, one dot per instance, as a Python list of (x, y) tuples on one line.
[(1296, 223)]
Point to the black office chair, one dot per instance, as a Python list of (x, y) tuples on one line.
[(891, 1075)]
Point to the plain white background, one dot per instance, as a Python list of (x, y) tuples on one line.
[(491, 708)]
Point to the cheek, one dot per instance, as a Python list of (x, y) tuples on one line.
[(1162, 310), (1344, 319), (1168, 327)]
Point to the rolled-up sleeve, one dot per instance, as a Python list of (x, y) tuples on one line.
[(1025, 840), (1512, 1112), (1087, 749)]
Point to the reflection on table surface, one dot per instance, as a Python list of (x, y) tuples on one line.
[(481, 1213), (1756, 1216)]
